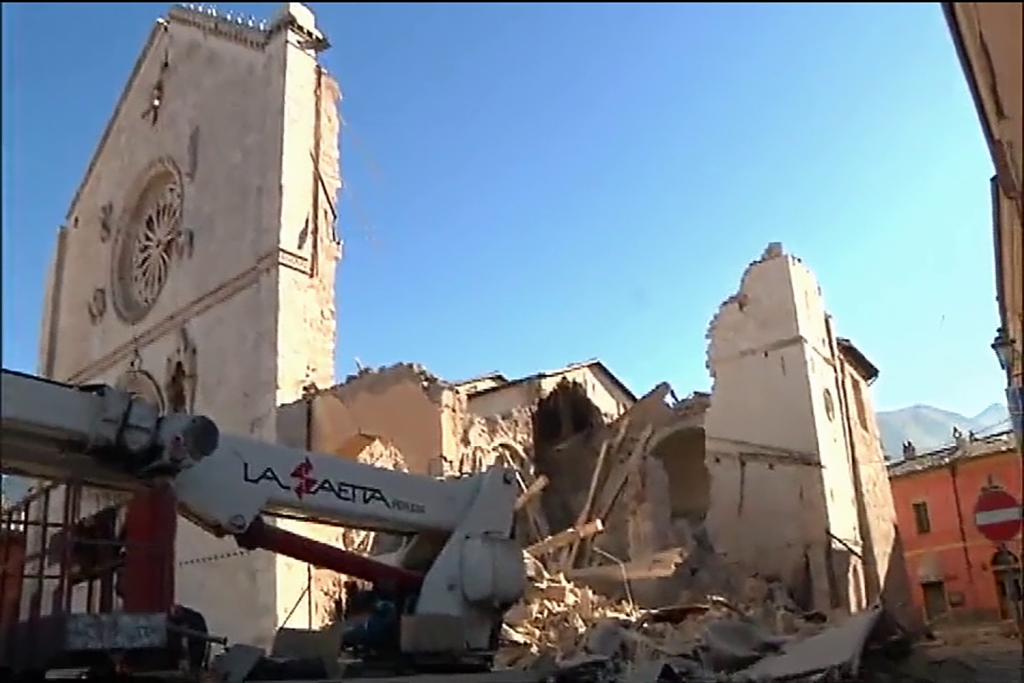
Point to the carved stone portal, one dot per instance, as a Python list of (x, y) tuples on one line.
[(181, 375)]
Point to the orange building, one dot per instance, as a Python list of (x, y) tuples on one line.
[(955, 571)]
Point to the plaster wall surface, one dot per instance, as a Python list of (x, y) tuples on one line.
[(247, 129), (951, 550), (990, 39), (987, 37), (1009, 238)]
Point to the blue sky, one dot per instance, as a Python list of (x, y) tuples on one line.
[(531, 185)]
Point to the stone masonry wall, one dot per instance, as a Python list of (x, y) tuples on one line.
[(307, 326), (241, 126), (788, 457)]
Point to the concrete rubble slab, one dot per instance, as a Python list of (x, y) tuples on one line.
[(837, 648)]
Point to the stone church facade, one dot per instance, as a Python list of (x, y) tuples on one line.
[(202, 237)]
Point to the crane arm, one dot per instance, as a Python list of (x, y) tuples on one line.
[(102, 436), (98, 435), (94, 434), (244, 477)]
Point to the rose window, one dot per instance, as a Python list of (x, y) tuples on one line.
[(147, 246)]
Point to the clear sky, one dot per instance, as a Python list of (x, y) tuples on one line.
[(532, 185)]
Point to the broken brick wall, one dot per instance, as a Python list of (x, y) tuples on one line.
[(565, 422), (556, 422), (542, 427), (401, 404), (485, 441), (558, 429), (647, 497), (656, 451), (487, 398)]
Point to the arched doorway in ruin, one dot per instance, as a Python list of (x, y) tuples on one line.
[(564, 414)]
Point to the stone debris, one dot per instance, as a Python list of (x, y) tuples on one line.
[(596, 497), (557, 619), (570, 624), (606, 551), (582, 636), (626, 583)]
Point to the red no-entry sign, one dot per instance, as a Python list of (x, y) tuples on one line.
[(998, 516)]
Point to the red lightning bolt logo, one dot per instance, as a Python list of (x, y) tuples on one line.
[(304, 482)]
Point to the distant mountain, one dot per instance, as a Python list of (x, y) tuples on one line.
[(929, 427), (995, 414)]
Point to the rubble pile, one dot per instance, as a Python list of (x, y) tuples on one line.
[(571, 626), (576, 635), (604, 561), (554, 618), (596, 498), (626, 583)]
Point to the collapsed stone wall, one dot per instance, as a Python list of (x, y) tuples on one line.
[(403, 404), (650, 490), (558, 437)]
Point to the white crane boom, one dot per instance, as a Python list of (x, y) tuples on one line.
[(466, 568)]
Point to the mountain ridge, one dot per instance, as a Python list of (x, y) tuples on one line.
[(930, 428)]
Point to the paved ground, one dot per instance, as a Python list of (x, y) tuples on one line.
[(989, 665), (982, 656)]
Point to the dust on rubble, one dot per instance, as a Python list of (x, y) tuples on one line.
[(626, 584), (576, 635), (574, 627)]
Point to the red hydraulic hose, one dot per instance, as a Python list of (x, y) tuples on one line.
[(267, 537)]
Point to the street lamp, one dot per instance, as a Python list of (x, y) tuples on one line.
[(1003, 347)]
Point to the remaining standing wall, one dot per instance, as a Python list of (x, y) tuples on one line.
[(788, 467), (223, 152)]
